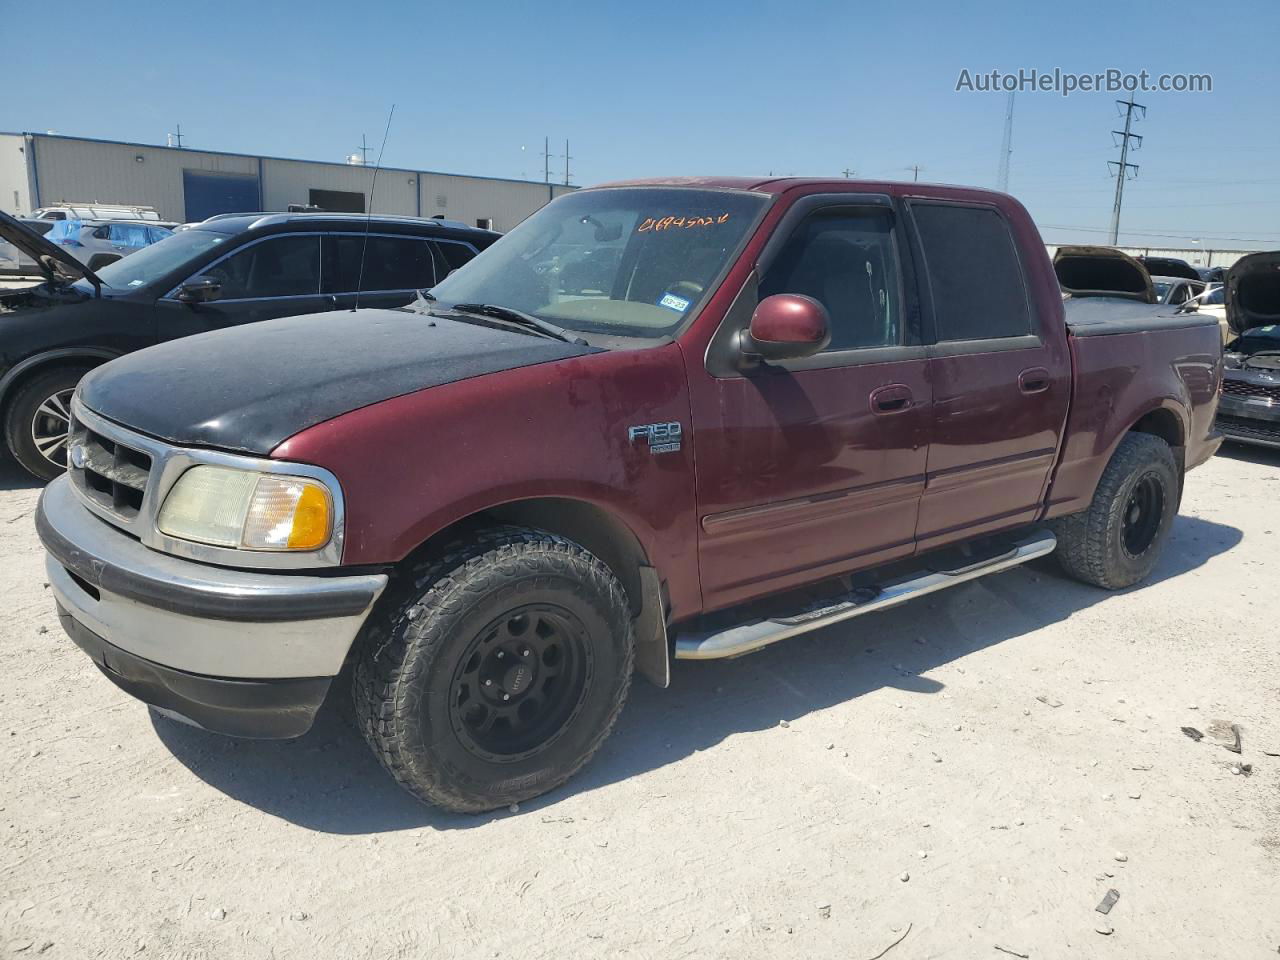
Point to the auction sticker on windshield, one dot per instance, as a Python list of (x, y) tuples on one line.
[(676, 223)]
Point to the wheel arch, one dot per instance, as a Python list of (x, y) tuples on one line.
[(33, 366), (603, 534), (1166, 421)]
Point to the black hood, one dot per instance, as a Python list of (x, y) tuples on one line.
[(1169, 267), (54, 261), (250, 388), (1253, 292), (1091, 271)]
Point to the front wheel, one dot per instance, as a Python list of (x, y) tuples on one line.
[(38, 418), (1118, 539), (494, 673)]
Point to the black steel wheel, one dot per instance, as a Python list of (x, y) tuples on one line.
[(1143, 514), (1117, 541), (493, 672), (521, 682)]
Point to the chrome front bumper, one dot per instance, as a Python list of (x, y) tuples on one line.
[(192, 617)]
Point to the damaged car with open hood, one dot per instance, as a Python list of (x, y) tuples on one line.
[(1249, 411)]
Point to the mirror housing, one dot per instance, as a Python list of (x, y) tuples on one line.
[(786, 326), (200, 290)]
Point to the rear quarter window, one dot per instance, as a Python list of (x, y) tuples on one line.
[(979, 292)]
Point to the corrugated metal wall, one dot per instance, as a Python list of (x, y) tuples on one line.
[(15, 194), (88, 170), (71, 169)]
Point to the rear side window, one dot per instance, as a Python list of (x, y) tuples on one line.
[(974, 273), (275, 267), (845, 260), (390, 263)]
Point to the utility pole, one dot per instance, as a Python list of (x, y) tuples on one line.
[(848, 173), (1006, 148), (364, 152), (567, 158), (176, 137), (546, 159), (915, 172), (1121, 170)]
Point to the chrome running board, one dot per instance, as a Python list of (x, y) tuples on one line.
[(748, 637)]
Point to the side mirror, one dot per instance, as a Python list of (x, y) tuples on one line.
[(200, 290), (1187, 306), (786, 326)]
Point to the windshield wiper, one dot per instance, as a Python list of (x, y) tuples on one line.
[(520, 318)]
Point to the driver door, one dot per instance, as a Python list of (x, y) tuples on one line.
[(277, 276)]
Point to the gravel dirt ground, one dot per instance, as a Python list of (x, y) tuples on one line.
[(969, 774)]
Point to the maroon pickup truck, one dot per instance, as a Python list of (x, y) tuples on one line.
[(664, 419)]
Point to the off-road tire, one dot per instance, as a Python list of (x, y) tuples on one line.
[(1091, 544), (417, 638), (21, 411)]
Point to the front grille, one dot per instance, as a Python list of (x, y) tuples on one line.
[(107, 472), (1241, 388), (1265, 430)]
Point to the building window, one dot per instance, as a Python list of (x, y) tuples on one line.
[(484, 223), (337, 201)]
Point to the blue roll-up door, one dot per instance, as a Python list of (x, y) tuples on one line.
[(208, 193)]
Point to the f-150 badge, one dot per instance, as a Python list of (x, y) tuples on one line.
[(661, 437)]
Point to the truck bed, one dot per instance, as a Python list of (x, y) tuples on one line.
[(1107, 316), (1134, 363)]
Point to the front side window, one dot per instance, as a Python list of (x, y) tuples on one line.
[(276, 267), (625, 261), (390, 263), (846, 261), (159, 260), (974, 272)]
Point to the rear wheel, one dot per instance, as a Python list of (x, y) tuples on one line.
[(1117, 541), (492, 674), (38, 418)]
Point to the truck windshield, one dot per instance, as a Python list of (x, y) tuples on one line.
[(629, 261), (160, 259)]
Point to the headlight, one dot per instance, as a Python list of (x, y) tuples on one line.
[(227, 507)]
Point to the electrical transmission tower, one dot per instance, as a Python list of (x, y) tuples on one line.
[(1132, 111), (1006, 148)]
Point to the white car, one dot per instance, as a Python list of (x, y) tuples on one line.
[(1175, 291), (96, 243), (1212, 302)]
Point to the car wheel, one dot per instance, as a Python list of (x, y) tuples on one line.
[(1117, 541), (38, 418), (493, 673)]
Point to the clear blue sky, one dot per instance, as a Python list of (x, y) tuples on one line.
[(660, 87)]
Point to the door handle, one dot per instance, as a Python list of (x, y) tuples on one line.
[(891, 398), (1034, 380)]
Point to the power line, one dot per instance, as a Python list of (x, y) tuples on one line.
[(1124, 166), (1006, 147)]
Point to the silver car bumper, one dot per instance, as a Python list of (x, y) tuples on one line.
[(192, 617)]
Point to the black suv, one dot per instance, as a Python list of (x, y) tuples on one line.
[(228, 270)]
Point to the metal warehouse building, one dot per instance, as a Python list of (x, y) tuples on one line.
[(184, 185)]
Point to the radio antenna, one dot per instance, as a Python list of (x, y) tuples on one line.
[(373, 185)]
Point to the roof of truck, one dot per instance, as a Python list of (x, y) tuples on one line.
[(775, 185)]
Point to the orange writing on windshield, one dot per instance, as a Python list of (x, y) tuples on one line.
[(679, 223)]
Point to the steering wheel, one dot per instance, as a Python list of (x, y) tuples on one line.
[(686, 288)]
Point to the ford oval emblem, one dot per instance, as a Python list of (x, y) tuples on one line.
[(77, 455)]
